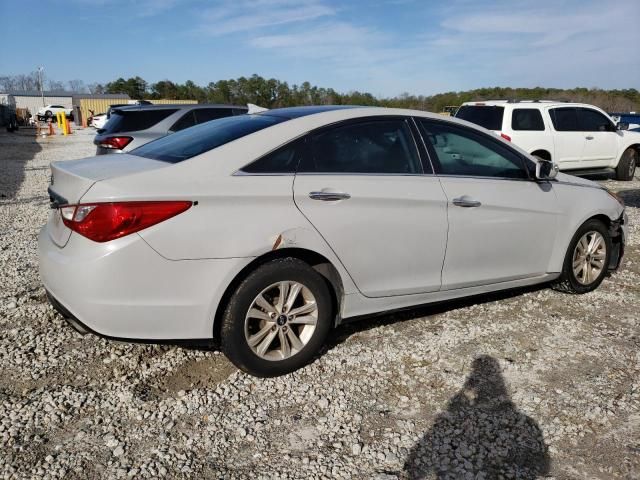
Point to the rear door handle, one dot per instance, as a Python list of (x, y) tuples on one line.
[(327, 195), (466, 201)]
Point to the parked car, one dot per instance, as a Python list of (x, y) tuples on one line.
[(267, 230), (99, 121), (132, 126), (574, 135), (50, 111)]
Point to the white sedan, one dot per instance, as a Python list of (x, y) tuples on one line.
[(267, 230), (99, 121)]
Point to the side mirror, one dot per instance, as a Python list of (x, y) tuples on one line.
[(622, 126), (546, 169)]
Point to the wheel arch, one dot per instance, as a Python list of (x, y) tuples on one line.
[(317, 261)]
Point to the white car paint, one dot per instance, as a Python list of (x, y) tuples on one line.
[(99, 121), (397, 242), (54, 109), (570, 150)]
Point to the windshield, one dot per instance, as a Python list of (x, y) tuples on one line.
[(489, 117), (193, 141)]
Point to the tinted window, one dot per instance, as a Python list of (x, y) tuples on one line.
[(186, 121), (461, 151), (379, 147), (564, 119), (207, 114), (526, 119), (593, 121), (134, 120), (487, 116), (202, 138), (283, 160)]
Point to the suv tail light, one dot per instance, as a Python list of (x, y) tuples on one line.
[(117, 143), (102, 222), (505, 136)]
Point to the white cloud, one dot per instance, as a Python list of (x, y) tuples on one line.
[(244, 16)]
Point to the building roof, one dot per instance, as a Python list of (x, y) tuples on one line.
[(62, 93)]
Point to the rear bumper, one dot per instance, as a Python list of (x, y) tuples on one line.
[(124, 289)]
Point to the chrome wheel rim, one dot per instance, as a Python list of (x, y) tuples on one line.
[(281, 320), (589, 257)]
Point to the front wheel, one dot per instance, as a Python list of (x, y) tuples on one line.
[(277, 319), (626, 168), (587, 259)]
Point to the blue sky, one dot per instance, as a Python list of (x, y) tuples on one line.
[(384, 47)]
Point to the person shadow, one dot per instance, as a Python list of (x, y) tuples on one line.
[(481, 435)]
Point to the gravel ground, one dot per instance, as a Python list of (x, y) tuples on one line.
[(516, 385)]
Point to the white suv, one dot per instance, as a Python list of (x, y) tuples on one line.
[(575, 136)]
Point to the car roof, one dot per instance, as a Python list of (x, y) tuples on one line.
[(176, 106), (517, 103), (296, 112)]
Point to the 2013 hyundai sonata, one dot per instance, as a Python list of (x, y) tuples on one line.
[(267, 230)]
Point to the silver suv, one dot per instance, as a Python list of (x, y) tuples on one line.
[(132, 126)]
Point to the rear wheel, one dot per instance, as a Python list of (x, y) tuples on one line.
[(626, 168), (277, 319), (587, 259)]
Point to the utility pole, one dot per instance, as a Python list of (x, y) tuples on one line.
[(40, 70)]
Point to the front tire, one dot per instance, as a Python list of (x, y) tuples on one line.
[(277, 319), (626, 168), (587, 259)]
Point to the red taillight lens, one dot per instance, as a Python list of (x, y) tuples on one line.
[(506, 137), (102, 222), (116, 142)]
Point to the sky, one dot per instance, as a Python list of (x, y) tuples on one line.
[(385, 47)]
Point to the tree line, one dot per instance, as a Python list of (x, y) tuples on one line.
[(272, 93)]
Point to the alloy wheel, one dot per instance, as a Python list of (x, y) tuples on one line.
[(281, 320), (589, 257)]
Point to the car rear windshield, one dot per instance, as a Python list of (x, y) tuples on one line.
[(134, 120), (487, 116), (193, 141)]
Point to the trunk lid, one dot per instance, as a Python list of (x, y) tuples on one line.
[(71, 179)]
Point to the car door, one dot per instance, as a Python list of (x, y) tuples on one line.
[(502, 225), (568, 139), (600, 146), (363, 187)]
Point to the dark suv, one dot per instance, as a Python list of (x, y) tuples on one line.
[(132, 126)]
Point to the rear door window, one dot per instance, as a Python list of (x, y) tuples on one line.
[(208, 114), (134, 120), (369, 147), (564, 119), (283, 160), (487, 116), (527, 119)]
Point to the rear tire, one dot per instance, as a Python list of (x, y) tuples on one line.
[(586, 263), (626, 168), (262, 334)]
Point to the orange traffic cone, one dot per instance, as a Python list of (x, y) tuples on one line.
[(51, 132)]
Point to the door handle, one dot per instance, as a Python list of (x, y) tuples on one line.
[(466, 201), (328, 196), (589, 137)]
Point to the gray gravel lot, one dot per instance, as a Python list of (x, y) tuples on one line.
[(516, 385)]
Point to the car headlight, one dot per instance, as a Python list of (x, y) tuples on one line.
[(618, 198)]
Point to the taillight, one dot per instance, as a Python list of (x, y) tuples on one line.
[(102, 222), (506, 137), (117, 143)]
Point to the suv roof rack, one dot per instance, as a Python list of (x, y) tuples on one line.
[(534, 100)]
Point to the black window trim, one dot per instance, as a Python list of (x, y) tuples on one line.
[(431, 151)]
